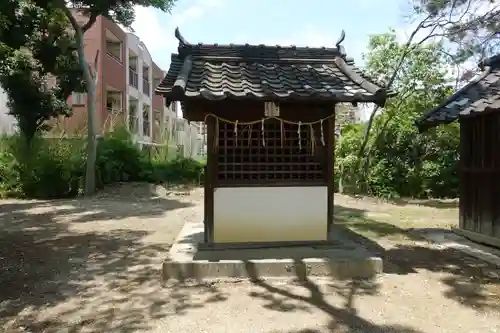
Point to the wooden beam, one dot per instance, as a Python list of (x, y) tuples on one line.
[(461, 172), (330, 160), (210, 182)]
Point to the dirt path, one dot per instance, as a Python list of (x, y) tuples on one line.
[(89, 264), (93, 266), (394, 304), (392, 231)]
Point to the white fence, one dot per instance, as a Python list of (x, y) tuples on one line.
[(189, 138), (8, 124), (181, 136)]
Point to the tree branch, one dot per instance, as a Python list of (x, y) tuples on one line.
[(389, 85), (90, 22)]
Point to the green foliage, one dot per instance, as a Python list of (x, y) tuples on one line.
[(177, 170), (55, 168), (38, 68), (118, 160), (423, 71), (44, 168), (400, 162), (404, 163)]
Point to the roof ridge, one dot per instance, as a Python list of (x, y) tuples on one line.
[(371, 87), (485, 65), (491, 61), (216, 72), (185, 48)]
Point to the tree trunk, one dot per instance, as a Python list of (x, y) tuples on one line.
[(90, 84), (407, 48)]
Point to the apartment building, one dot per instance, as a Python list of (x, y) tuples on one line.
[(127, 77), (146, 110), (125, 84)]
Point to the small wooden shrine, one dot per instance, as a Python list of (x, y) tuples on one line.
[(270, 113), (477, 107)]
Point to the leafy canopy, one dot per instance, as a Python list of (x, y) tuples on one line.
[(38, 64), (400, 161), (422, 77), (38, 69)]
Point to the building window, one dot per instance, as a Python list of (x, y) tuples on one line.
[(114, 49), (114, 101), (146, 89), (133, 119), (78, 98), (157, 118), (146, 121), (133, 78)]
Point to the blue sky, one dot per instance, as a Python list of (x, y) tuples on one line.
[(285, 22)]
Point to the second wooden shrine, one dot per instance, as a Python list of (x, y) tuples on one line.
[(477, 108)]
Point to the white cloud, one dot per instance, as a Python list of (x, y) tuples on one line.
[(193, 12), (156, 28), (308, 36), (147, 27), (314, 37)]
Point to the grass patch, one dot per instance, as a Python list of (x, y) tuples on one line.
[(373, 229), (377, 220)]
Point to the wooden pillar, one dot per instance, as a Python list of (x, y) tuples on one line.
[(210, 182), (330, 146), (462, 173)]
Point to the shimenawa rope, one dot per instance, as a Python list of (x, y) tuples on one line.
[(262, 121)]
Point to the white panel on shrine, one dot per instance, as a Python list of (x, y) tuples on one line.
[(266, 214)]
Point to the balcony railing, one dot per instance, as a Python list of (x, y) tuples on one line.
[(133, 124), (145, 87), (133, 78), (145, 128), (114, 110)]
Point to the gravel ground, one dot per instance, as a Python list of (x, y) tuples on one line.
[(393, 303), (92, 265)]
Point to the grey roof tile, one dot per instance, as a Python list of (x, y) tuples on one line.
[(266, 73), (479, 95)]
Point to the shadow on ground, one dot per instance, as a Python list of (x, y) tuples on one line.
[(471, 282), (343, 319), (109, 281), (301, 294), (105, 281)]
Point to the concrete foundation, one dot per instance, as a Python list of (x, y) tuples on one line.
[(341, 258)]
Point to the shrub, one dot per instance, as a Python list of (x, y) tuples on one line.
[(118, 159), (55, 168), (42, 169), (403, 163), (180, 170)]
